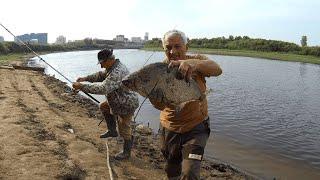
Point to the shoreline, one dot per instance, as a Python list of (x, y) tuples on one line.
[(145, 140), (40, 98), (289, 57)]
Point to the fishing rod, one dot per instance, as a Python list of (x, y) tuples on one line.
[(45, 61)]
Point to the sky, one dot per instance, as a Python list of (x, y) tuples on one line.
[(285, 20)]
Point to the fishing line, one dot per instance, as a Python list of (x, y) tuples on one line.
[(134, 119), (148, 58), (45, 61)]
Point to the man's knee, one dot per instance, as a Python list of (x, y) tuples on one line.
[(124, 127), (124, 122), (125, 119), (125, 132)]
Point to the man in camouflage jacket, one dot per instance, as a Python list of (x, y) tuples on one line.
[(120, 102)]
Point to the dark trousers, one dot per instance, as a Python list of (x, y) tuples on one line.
[(184, 152)]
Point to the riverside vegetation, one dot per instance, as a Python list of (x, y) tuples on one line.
[(234, 46), (246, 46), (11, 51)]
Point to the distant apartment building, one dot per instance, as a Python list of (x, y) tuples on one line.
[(42, 38), (146, 36), (120, 38), (1, 39), (34, 41), (136, 39), (61, 40)]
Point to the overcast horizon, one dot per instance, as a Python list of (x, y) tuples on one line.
[(287, 20)]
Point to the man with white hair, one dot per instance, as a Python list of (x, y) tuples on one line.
[(184, 135)]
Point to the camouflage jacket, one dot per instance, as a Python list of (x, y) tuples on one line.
[(121, 101)]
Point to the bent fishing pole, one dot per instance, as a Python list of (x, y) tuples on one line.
[(45, 61)]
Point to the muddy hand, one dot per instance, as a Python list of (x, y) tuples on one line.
[(76, 85), (184, 68), (174, 64), (177, 63)]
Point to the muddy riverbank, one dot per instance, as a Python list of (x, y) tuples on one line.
[(36, 141)]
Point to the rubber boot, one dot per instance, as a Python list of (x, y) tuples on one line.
[(126, 153), (111, 124)]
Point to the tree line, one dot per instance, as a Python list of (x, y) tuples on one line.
[(232, 43), (85, 44), (12, 47), (246, 43)]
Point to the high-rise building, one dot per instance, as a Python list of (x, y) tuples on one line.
[(61, 40), (41, 37), (34, 41), (1, 39), (136, 39), (119, 38), (146, 36)]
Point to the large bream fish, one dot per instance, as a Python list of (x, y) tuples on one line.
[(158, 82)]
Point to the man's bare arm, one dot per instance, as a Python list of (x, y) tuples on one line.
[(206, 67)]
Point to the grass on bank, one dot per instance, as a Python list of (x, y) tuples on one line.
[(258, 54), (5, 59)]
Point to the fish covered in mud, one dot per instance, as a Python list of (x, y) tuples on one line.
[(163, 84)]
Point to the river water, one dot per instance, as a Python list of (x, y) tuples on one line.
[(265, 115)]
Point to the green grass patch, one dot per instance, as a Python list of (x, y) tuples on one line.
[(5, 59), (258, 54)]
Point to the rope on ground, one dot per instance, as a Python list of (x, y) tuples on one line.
[(108, 161)]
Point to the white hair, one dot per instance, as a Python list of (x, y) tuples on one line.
[(175, 32)]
